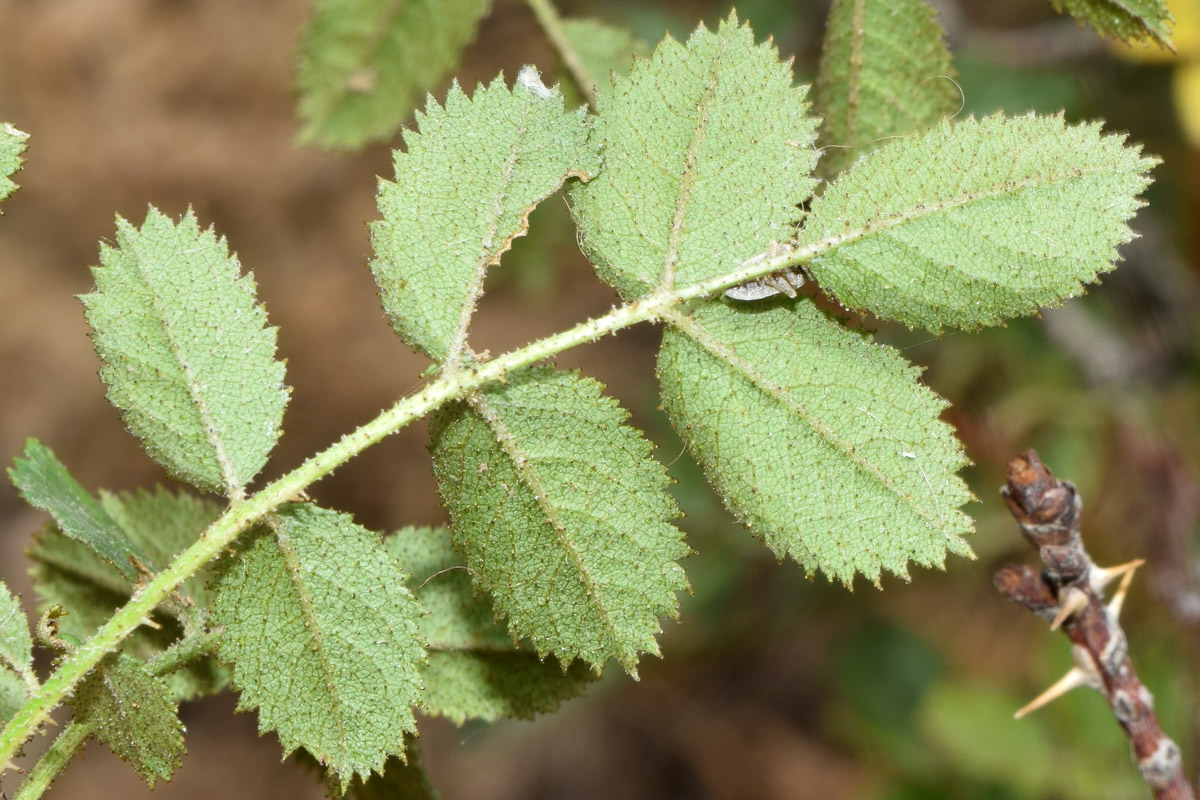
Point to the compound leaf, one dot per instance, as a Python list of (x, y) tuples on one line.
[(823, 443), (707, 154), (12, 145), (365, 63), (475, 670), (473, 172), (885, 70), (186, 353), (563, 515), (134, 714), (44, 483), (972, 223), (1127, 20), (13, 693), (316, 598)]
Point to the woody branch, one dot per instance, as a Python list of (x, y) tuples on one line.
[(1067, 592)]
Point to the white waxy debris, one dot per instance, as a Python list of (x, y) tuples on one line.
[(531, 79)]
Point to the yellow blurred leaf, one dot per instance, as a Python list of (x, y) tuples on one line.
[(1186, 91)]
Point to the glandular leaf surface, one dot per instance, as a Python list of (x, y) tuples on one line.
[(475, 669), (977, 221), (885, 70), (563, 515), (316, 598), (135, 714), (187, 354), (823, 443), (707, 152)]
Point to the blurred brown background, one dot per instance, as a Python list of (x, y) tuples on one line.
[(772, 686)]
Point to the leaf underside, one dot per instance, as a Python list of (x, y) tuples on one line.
[(1127, 20), (475, 670), (16, 655), (972, 223), (365, 63), (186, 353), (707, 153), (885, 70), (45, 483), (16, 644), (563, 515), (12, 145), (317, 598), (474, 170), (823, 443), (134, 714)]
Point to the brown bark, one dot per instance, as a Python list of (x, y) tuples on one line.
[(1068, 590)]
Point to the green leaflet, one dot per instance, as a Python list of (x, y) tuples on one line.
[(16, 645), (16, 655), (563, 515), (463, 192), (972, 223), (316, 598), (707, 153), (13, 694), (1128, 20), (44, 483), (401, 780), (365, 63), (187, 357), (12, 145), (133, 713), (885, 70), (475, 671), (603, 50), (822, 443)]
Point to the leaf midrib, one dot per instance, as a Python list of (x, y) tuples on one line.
[(522, 465), (881, 224), (193, 387), (489, 252), (312, 624), (691, 162), (718, 349)]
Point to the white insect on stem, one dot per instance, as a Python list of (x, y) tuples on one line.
[(783, 282)]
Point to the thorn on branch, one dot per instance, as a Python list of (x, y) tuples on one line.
[(1067, 594)]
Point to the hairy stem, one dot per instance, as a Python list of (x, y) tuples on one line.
[(551, 22), (59, 754), (54, 760), (459, 384), (182, 653)]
